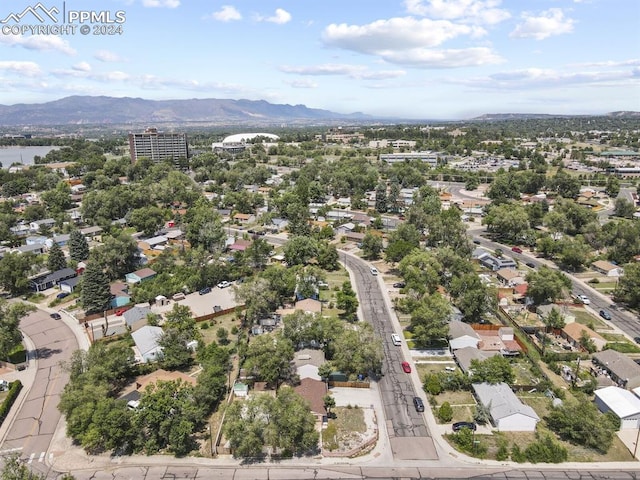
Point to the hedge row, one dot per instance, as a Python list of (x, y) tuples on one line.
[(14, 390)]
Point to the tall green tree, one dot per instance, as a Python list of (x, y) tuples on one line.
[(429, 319), (15, 269), (10, 316), (547, 285), (300, 250), (117, 256), (381, 197), (358, 350), (95, 295), (372, 246), (269, 358), (493, 370), (628, 288), (347, 301), (56, 259), (78, 246)]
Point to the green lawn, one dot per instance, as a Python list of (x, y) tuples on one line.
[(585, 318)]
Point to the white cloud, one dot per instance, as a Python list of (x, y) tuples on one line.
[(302, 83), (161, 3), (82, 67), (530, 78), (448, 58), (550, 22), (227, 13), (39, 42), (107, 56), (280, 17), (484, 12), (29, 69), (394, 34), (352, 71)]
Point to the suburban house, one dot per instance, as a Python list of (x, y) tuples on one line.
[(501, 340), (244, 218), (153, 243), (60, 240), (278, 224), (509, 276), (545, 310), (354, 237), (91, 232), (119, 294), (309, 305), (313, 391), (240, 245), (69, 285), (508, 413), (36, 249), (44, 223), (573, 333), (496, 263), (462, 335), (619, 367), (465, 355), (307, 361), (240, 390), (623, 403), (607, 268), (50, 280), (147, 348), (140, 276), (136, 317)]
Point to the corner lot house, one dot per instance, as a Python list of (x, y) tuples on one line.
[(508, 413), (622, 402)]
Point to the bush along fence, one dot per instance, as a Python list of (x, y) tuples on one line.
[(5, 407)]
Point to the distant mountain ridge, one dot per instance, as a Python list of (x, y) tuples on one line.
[(80, 110), (530, 116)]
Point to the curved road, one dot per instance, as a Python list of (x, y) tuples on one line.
[(34, 425)]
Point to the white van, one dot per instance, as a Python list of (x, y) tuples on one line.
[(374, 271), (395, 338)]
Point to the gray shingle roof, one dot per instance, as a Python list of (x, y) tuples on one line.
[(501, 401)]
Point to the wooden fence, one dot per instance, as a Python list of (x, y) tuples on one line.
[(349, 384)]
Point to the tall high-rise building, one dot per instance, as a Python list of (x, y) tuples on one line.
[(158, 146)]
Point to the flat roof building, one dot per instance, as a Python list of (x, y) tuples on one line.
[(158, 146)]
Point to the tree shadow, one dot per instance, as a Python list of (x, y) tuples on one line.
[(46, 352)]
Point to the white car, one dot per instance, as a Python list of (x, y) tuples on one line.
[(584, 299), (224, 284)]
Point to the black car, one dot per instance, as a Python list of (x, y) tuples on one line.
[(399, 285), (55, 316), (604, 314), (530, 265), (419, 404), (460, 425), (205, 290), (476, 241), (62, 295), (636, 339)]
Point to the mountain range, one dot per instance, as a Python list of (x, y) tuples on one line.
[(126, 111), (90, 110)]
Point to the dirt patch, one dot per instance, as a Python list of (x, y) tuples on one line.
[(347, 430)]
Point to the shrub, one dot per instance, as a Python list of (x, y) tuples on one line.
[(594, 280), (12, 394), (445, 412), (204, 325), (234, 330), (503, 450), (546, 450), (432, 385), (517, 455)]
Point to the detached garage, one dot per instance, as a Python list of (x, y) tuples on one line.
[(508, 413), (622, 402)]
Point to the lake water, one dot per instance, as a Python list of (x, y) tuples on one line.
[(24, 155)]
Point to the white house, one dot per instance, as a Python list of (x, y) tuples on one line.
[(461, 335), (622, 402), (508, 413), (607, 268), (146, 340)]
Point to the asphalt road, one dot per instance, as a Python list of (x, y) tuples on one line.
[(32, 430), (396, 386)]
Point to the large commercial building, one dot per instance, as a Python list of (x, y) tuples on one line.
[(158, 146)]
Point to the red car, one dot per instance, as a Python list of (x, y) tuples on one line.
[(516, 249), (406, 367), (120, 312)]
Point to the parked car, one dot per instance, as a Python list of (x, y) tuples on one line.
[(530, 265), (419, 404), (62, 295), (584, 299), (205, 290), (55, 316), (476, 241), (460, 425), (604, 314), (636, 339), (120, 311), (516, 249), (406, 367), (399, 285), (224, 284), (374, 271)]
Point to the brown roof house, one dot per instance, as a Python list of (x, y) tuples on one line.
[(313, 391), (607, 268), (573, 333)]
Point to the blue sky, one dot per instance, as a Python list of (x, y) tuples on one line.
[(422, 59)]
